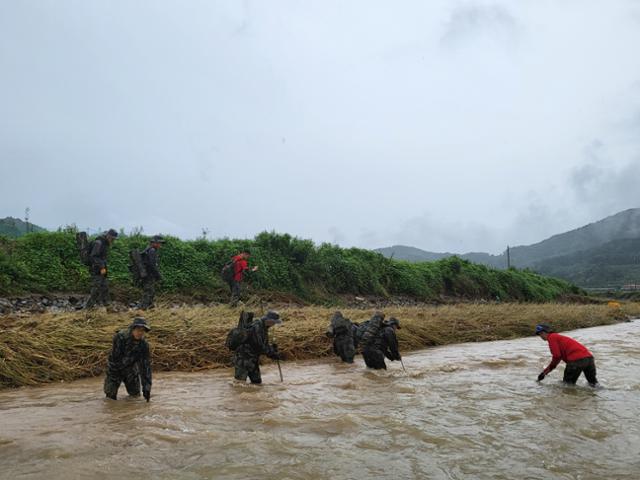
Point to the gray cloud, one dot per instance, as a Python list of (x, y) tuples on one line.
[(403, 123), (606, 189), (470, 21)]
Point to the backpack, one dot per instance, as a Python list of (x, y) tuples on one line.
[(359, 332), (228, 272), (239, 334), (371, 330), (137, 265), (84, 247), (340, 325)]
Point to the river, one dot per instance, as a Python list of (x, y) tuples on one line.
[(469, 411)]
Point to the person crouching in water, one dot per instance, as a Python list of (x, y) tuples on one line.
[(384, 345), (129, 362), (246, 358), (341, 330), (572, 352)]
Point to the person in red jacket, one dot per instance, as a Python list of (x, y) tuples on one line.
[(572, 352), (240, 266)]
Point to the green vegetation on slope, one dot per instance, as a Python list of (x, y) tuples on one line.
[(48, 262)]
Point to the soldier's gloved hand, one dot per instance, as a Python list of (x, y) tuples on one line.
[(274, 356), (147, 395), (103, 271), (541, 376)]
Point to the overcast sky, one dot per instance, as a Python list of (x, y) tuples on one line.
[(450, 126)]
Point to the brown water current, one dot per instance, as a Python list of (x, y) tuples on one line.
[(471, 411)]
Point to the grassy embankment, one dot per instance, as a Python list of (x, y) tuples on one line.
[(290, 267), (49, 347)]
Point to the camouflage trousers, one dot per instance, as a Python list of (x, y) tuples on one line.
[(344, 348), (99, 291), (129, 376), (247, 365), (374, 358), (148, 293)]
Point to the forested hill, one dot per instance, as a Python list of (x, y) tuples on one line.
[(598, 254), (14, 227)]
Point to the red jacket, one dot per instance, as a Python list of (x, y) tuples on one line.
[(239, 267), (565, 348)]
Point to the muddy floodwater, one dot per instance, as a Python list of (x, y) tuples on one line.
[(471, 411)]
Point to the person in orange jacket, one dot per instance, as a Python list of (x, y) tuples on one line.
[(573, 353)]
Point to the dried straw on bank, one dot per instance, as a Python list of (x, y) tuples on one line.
[(63, 347)]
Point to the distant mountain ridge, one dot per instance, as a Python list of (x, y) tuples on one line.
[(15, 227), (603, 252)]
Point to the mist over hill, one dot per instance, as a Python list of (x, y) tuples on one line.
[(603, 253)]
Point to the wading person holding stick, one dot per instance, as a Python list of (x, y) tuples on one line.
[(246, 356), (384, 344)]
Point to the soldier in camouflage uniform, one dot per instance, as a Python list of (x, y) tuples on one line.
[(246, 358), (129, 362), (342, 332), (98, 269), (150, 258), (384, 345)]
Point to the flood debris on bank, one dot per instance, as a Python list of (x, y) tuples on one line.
[(63, 347)]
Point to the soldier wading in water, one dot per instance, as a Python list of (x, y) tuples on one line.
[(379, 340), (248, 341), (129, 362), (342, 331)]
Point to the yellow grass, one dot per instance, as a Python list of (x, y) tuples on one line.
[(55, 347)]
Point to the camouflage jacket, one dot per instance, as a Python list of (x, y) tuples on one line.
[(128, 353), (387, 342)]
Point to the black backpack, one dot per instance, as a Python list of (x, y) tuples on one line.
[(239, 334), (340, 325), (228, 272), (137, 265), (359, 332), (84, 247), (371, 330)]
